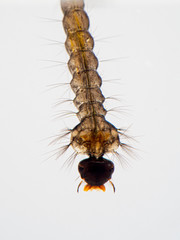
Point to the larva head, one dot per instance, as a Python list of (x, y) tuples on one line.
[(95, 172)]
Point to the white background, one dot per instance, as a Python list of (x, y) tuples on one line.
[(38, 198)]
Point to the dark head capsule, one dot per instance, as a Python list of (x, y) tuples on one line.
[(95, 172)]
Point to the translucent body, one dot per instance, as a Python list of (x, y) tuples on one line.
[(94, 135)]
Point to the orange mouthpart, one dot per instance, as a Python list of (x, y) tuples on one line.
[(88, 187)]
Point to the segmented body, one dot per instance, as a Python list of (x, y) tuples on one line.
[(94, 135)]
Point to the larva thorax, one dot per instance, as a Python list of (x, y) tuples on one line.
[(94, 135)]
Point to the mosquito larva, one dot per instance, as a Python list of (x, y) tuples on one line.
[(94, 135)]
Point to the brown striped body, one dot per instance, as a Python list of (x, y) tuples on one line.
[(94, 135)]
